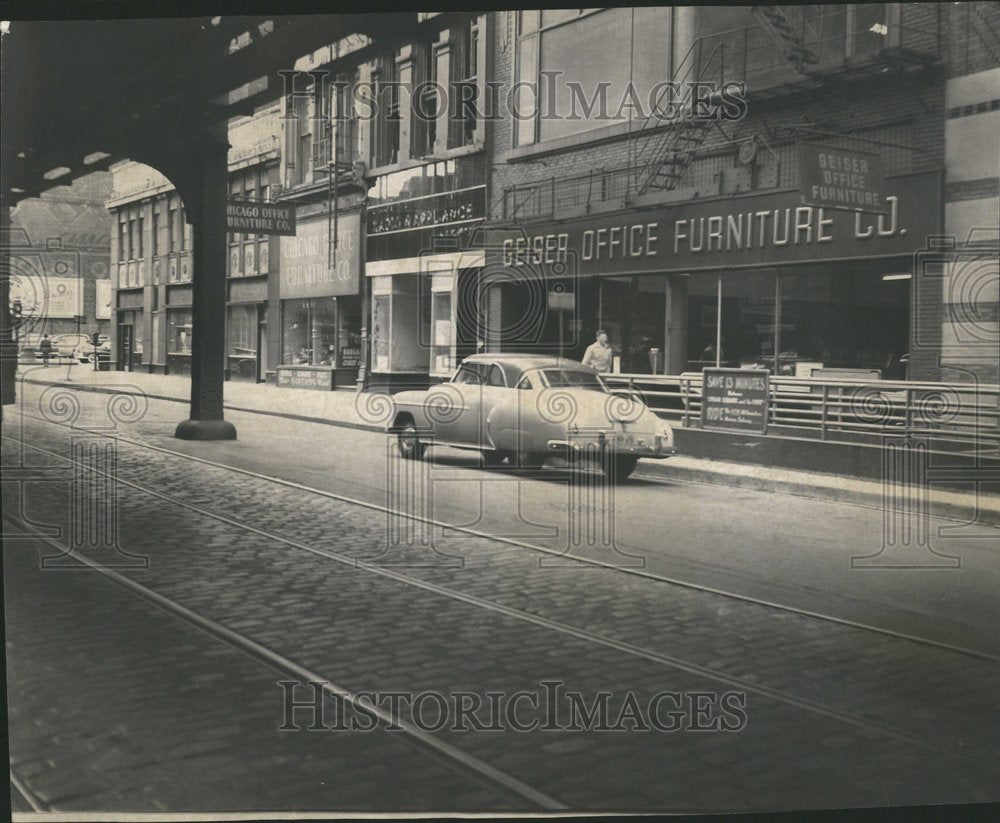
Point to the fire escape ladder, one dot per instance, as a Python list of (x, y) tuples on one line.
[(775, 22), (665, 153)]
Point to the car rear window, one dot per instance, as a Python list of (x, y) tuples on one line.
[(573, 379)]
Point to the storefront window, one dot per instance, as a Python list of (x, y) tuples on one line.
[(179, 331), (241, 334), (349, 333), (309, 331), (401, 324), (838, 319), (441, 349)]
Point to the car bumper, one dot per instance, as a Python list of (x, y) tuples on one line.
[(638, 445)]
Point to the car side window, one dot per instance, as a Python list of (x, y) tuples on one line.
[(525, 383), (468, 374), (494, 377)]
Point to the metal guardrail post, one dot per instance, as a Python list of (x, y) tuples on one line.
[(823, 410)]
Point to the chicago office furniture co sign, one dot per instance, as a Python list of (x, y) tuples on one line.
[(255, 217), (736, 232), (734, 399), (308, 269), (837, 178)]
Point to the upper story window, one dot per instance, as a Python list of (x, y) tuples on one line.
[(385, 127), (172, 228), (305, 118), (425, 100), (587, 68), (465, 83)]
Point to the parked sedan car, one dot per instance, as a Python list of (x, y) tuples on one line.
[(85, 352), (521, 408), (65, 345)]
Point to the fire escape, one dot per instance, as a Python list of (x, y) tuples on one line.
[(795, 34)]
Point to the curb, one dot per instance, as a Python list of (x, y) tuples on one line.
[(970, 513), (663, 470)]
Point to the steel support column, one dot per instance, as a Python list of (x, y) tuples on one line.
[(202, 182)]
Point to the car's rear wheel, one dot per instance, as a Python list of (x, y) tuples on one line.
[(409, 443), (617, 467), (530, 460), (493, 457)]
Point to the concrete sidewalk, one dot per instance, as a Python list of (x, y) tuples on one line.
[(371, 412)]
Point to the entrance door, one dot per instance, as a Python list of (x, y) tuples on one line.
[(125, 348), (261, 343)]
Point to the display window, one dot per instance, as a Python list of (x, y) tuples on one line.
[(179, 328), (309, 331), (792, 322), (401, 323), (241, 341), (321, 331)]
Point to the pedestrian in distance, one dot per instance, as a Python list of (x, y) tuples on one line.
[(46, 349), (599, 353)]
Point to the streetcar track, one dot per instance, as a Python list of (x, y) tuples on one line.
[(517, 614), (510, 541), (438, 749)]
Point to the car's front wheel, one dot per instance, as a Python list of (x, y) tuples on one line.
[(618, 467), (409, 443)]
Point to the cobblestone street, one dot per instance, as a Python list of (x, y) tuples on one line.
[(118, 703)]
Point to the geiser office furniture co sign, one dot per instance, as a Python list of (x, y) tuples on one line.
[(763, 229), (255, 217), (309, 269)]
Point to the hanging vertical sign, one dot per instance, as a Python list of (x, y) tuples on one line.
[(836, 178), (255, 217)]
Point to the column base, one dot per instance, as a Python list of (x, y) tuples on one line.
[(205, 430)]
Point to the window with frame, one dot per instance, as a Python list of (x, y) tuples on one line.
[(464, 85), (609, 61), (131, 238), (385, 131), (172, 240), (425, 101)]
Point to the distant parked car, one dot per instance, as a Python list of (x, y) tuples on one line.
[(521, 408), (64, 345), (85, 352)]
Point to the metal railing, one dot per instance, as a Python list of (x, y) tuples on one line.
[(956, 416)]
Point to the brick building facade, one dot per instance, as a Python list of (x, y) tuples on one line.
[(878, 78), (511, 192)]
